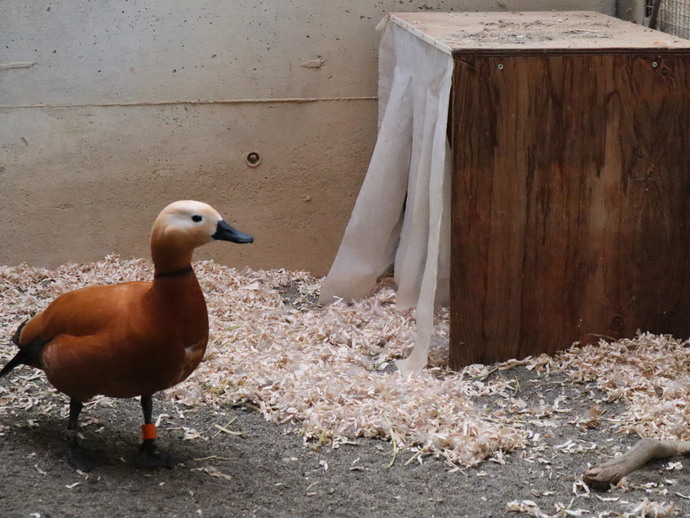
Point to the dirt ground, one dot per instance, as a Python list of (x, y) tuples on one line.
[(238, 463), (252, 467)]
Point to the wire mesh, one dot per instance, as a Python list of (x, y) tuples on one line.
[(674, 16)]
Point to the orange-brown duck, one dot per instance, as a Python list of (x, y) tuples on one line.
[(130, 339)]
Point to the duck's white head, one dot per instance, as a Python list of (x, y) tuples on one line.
[(185, 225)]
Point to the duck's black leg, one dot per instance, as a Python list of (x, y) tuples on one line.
[(149, 456), (79, 457)]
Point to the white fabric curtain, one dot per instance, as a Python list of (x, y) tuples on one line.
[(402, 213)]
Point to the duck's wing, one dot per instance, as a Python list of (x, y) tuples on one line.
[(78, 313)]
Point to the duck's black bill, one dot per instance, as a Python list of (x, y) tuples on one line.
[(225, 232)]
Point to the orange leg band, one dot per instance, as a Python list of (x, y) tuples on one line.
[(148, 431)]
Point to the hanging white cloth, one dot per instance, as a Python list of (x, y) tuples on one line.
[(402, 213)]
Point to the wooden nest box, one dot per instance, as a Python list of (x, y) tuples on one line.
[(570, 213)]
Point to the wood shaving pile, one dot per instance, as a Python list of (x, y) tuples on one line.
[(645, 508), (650, 373), (329, 371)]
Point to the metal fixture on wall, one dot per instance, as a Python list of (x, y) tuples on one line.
[(253, 159)]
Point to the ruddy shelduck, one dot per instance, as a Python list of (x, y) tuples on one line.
[(130, 339)]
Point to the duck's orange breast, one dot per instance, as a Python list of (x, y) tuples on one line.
[(124, 340)]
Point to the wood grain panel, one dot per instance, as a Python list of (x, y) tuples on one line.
[(570, 201)]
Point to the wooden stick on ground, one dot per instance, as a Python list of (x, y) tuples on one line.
[(611, 472)]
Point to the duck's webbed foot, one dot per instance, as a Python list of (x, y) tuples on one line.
[(150, 457), (82, 458), (79, 457)]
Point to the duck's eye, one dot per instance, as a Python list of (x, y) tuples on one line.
[(196, 218)]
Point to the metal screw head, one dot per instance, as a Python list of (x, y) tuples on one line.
[(654, 64), (500, 66), (253, 159)]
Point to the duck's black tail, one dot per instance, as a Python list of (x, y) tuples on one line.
[(21, 358)]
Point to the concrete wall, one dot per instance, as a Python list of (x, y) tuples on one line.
[(631, 10), (110, 110)]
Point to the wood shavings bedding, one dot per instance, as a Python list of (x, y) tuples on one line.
[(329, 370), (650, 373)]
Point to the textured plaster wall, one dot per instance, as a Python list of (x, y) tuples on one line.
[(110, 110)]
